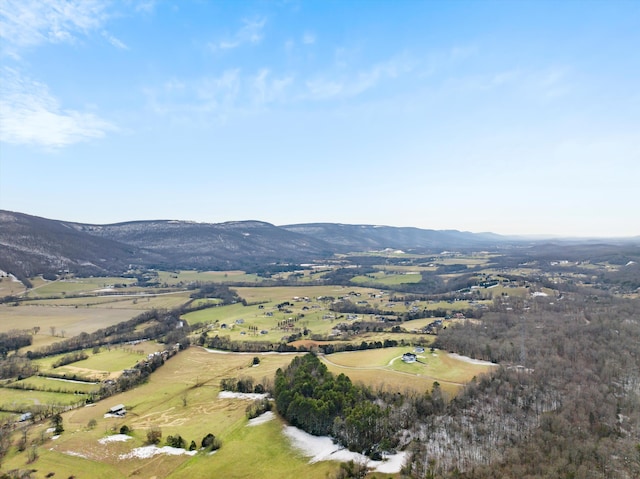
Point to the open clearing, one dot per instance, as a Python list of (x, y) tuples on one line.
[(385, 368)]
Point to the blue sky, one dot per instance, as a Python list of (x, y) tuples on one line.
[(514, 117)]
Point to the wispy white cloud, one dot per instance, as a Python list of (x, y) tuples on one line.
[(25, 23), (545, 84), (211, 95), (147, 6), (29, 114), (267, 88), (250, 33), (114, 41), (349, 84), (219, 97)]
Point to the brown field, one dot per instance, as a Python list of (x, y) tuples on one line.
[(10, 287), (67, 321)]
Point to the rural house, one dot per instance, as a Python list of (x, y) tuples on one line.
[(409, 358)]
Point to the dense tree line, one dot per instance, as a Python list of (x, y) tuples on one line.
[(565, 403), (14, 340), (347, 306), (214, 290), (163, 327), (70, 358), (16, 367), (310, 397)]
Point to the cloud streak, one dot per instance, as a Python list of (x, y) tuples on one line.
[(350, 84), (250, 33), (29, 114), (219, 96), (28, 23), (114, 41)]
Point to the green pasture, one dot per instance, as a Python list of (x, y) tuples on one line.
[(5, 416), (287, 293), (77, 286), (385, 368), (64, 465), (19, 400), (237, 321), (42, 383), (112, 360), (97, 365), (127, 300), (181, 398), (256, 451), (205, 302)]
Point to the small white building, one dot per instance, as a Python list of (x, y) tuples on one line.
[(118, 410)]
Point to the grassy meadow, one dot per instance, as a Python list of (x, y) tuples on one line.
[(385, 368), (179, 398), (108, 363)]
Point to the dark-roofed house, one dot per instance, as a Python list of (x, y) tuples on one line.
[(409, 358)]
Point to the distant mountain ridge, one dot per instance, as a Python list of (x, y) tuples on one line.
[(367, 237), (31, 245)]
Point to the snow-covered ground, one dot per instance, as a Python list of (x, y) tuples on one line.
[(74, 454), (114, 438), (69, 380), (265, 417), (232, 395), (146, 452), (323, 449), (467, 359)]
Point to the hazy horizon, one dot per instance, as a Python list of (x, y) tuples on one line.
[(532, 236), (516, 118)]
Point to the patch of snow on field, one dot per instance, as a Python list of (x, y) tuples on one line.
[(265, 417), (469, 360), (75, 454), (319, 448), (114, 438), (69, 380), (146, 452), (232, 395), (324, 449), (539, 293), (393, 463)]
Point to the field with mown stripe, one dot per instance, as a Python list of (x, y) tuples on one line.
[(385, 368), (180, 398)]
